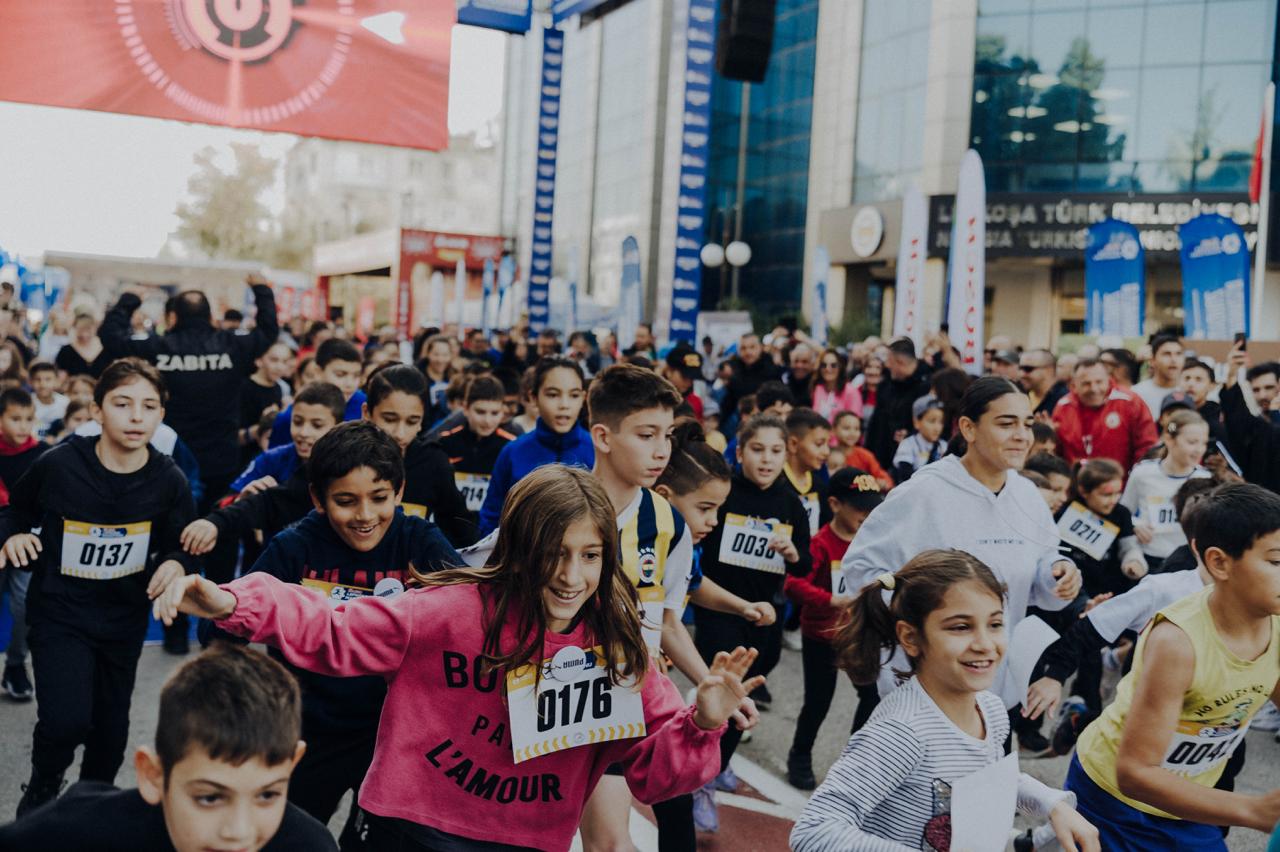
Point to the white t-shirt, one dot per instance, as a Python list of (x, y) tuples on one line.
[(1133, 609), (1149, 496), (47, 413), (1152, 394)]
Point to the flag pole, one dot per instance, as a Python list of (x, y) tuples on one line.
[(1264, 213)]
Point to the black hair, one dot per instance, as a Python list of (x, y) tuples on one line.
[(1197, 364), (323, 393), (555, 362), (15, 398), (840, 415), (975, 402), (347, 446), (233, 315), (1163, 338), (1046, 463), (1125, 360), (233, 702), (756, 423), (903, 346), (391, 378), (120, 372), (1233, 517), (41, 367), (1265, 368), (771, 393), (624, 389), (336, 349), (693, 461), (802, 421), (1043, 432), (1192, 491), (484, 389), (312, 330), (190, 307), (510, 380)]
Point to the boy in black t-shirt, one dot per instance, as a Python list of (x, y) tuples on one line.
[(18, 449), (473, 445), (226, 745)]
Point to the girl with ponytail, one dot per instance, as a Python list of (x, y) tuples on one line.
[(892, 785)]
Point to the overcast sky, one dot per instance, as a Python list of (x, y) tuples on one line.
[(81, 181)]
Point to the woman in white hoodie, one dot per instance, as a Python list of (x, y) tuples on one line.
[(971, 502)]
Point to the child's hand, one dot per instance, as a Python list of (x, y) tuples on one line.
[(760, 613), (842, 601), (1096, 600), (786, 547), (166, 573), (1068, 576), (20, 550), (193, 595), (746, 716), (258, 485), (721, 692), (1075, 833), (199, 537), (1134, 569), (1144, 532), (1042, 697)]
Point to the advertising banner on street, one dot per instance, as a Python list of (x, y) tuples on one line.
[(506, 277), (908, 317), (544, 195), (630, 309), (280, 66), (966, 266), (513, 16), (486, 297), (1215, 278), (821, 270), (1115, 275), (695, 136)]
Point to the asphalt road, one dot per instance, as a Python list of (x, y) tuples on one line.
[(768, 747)]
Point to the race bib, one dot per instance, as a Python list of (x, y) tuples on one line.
[(473, 487), (1086, 532), (417, 510), (1159, 512), (745, 543), (813, 509), (337, 593), (100, 552), (574, 704), (1197, 748)]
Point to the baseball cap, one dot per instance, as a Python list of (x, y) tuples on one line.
[(925, 403), (856, 487), (1007, 356), (1177, 399), (686, 361)]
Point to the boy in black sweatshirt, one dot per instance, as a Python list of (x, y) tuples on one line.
[(355, 543), (18, 449), (109, 510), (474, 444)]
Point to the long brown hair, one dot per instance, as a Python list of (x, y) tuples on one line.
[(538, 511), (918, 588)]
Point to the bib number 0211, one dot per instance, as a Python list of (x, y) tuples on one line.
[(568, 704)]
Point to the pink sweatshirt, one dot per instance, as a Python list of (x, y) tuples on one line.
[(443, 736), (830, 404)]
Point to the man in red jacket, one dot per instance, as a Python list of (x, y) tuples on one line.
[(1100, 420)]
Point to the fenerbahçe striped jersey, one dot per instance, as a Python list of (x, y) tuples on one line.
[(1226, 693)]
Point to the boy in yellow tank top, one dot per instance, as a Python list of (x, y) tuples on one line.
[(1144, 771)]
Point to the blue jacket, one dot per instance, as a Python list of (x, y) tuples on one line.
[(280, 429), (277, 462), (532, 450)]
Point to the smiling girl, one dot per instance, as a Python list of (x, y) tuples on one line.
[(541, 619), (108, 510), (1152, 483), (892, 787)]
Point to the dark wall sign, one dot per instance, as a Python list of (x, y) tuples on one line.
[(1056, 225)]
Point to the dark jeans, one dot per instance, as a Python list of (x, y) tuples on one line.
[(333, 763), (720, 632), (868, 701), (820, 675), (84, 685), (675, 825)]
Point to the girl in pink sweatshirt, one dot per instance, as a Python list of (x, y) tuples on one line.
[(500, 714)]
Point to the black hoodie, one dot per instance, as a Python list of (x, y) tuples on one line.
[(778, 502), (203, 369), (69, 495), (893, 412)]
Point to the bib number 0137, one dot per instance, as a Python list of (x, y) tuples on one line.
[(104, 555), (568, 704)]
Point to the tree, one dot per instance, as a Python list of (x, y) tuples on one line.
[(224, 217)]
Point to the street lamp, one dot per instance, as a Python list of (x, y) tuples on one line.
[(738, 254)]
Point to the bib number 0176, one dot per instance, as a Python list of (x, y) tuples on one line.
[(568, 704)]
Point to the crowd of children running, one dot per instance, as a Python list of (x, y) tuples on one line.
[(471, 560)]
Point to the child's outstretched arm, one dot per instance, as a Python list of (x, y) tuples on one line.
[(1168, 667), (369, 636), (711, 595)]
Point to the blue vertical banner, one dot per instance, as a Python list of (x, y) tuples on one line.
[(1115, 280), (544, 196), (513, 16), (506, 277), (821, 269), (630, 311), (695, 134), (486, 294), (1215, 278), (562, 10)]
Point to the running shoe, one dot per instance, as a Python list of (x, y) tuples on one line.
[(1268, 718), (791, 640), (706, 817), (726, 781), (1034, 743), (762, 697), (800, 770), (16, 684), (1110, 661), (1069, 721)]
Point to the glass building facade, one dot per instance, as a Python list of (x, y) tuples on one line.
[(1120, 95), (777, 168), (889, 150)]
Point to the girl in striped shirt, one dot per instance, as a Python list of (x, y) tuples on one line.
[(890, 790)]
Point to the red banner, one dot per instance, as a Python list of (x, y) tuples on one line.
[(364, 70)]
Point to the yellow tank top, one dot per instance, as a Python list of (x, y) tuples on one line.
[(1226, 692)]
